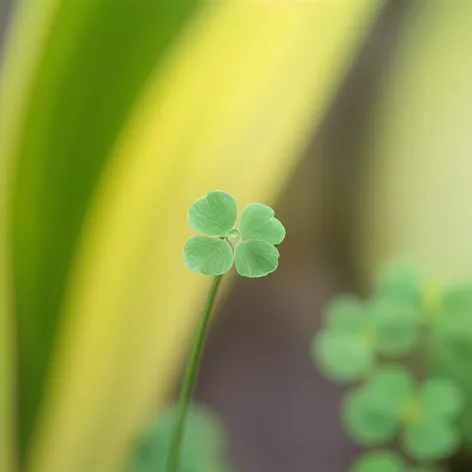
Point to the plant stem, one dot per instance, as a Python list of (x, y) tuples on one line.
[(190, 377)]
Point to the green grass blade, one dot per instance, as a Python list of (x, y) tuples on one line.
[(97, 57), (7, 363)]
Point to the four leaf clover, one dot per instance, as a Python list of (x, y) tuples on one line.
[(355, 331), (252, 247), (389, 401)]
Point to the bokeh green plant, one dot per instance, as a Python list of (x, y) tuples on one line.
[(407, 400), (203, 443)]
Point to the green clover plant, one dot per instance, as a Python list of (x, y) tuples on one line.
[(405, 315), (356, 331), (252, 247), (213, 252), (390, 403)]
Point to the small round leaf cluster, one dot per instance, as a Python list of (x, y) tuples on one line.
[(251, 247), (356, 331), (403, 313), (390, 402), (449, 307), (446, 313)]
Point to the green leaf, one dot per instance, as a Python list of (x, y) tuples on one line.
[(372, 413), (450, 356), (398, 278), (441, 398), (425, 469), (343, 357), (457, 309), (211, 468), (451, 350), (256, 258), (430, 440), (394, 323), (258, 222), (346, 314), (390, 387), (378, 461), (201, 443), (458, 299), (214, 214), (368, 421), (208, 256)]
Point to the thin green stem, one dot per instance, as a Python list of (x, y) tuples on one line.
[(190, 377)]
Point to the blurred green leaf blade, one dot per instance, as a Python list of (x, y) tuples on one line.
[(97, 58)]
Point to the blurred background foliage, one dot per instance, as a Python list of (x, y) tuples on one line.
[(202, 444), (114, 116)]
